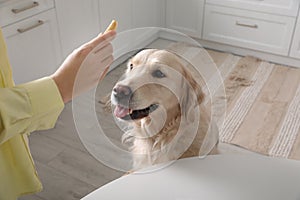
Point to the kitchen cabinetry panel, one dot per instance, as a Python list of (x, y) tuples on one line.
[(33, 46), (15, 10), (147, 13), (277, 7), (78, 22), (118, 10), (185, 16), (248, 29)]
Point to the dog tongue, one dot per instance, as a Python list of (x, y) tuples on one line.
[(120, 111)]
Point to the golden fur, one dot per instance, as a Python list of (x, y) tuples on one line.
[(175, 129)]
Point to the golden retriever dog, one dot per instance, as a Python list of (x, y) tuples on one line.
[(160, 102)]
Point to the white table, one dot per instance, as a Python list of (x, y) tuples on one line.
[(220, 177)]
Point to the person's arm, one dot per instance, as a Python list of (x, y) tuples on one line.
[(29, 107), (36, 105)]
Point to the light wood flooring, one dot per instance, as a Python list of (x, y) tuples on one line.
[(65, 167)]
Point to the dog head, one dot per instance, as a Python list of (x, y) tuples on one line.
[(155, 84)]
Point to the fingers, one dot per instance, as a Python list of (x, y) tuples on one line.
[(110, 29), (102, 40), (103, 74), (104, 51), (107, 62), (108, 35), (98, 63)]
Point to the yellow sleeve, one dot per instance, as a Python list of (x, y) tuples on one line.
[(28, 107)]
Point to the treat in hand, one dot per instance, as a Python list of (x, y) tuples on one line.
[(113, 26)]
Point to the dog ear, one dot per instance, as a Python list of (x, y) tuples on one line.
[(191, 90), (195, 86)]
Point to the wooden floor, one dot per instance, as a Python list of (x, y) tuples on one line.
[(65, 167)]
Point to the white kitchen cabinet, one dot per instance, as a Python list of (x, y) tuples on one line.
[(295, 47), (147, 13), (118, 10), (33, 46), (78, 22), (132, 13), (277, 7), (248, 29), (15, 10), (185, 16)]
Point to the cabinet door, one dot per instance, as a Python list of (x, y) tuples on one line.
[(295, 49), (33, 47), (185, 16), (248, 29), (118, 10), (78, 22), (13, 11), (147, 13)]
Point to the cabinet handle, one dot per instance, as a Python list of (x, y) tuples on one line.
[(247, 25), (18, 10), (22, 30)]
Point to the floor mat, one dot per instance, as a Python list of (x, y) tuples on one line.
[(263, 108)]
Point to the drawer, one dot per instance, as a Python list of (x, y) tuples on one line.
[(253, 30), (33, 46), (281, 7), (15, 10)]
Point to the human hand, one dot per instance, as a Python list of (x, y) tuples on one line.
[(91, 61)]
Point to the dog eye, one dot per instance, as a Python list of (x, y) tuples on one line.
[(158, 74)]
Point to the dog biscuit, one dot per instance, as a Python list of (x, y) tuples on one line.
[(113, 26)]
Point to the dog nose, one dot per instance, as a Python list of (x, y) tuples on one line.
[(122, 92)]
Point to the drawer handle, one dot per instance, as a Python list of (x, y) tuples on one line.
[(247, 25), (18, 10), (23, 30)]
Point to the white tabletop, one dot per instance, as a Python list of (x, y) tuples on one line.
[(220, 177)]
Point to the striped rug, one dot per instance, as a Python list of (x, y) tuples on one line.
[(263, 106)]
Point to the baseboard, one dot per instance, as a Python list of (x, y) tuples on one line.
[(282, 60)]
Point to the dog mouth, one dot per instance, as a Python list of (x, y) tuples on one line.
[(130, 114)]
